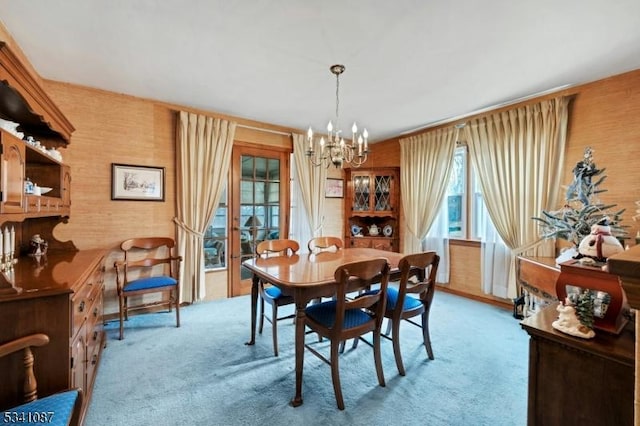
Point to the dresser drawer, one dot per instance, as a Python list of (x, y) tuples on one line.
[(79, 307)]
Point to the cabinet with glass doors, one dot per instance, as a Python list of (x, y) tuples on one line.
[(372, 213)]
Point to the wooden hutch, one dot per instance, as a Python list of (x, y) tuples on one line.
[(373, 203), (59, 293)]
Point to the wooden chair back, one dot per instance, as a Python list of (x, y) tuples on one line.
[(353, 277), (30, 387), (149, 252), (319, 244), (417, 265), (282, 247)]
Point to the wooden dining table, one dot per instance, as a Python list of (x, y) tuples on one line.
[(305, 277)]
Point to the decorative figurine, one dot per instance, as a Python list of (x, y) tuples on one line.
[(600, 244), (568, 322), (37, 246)]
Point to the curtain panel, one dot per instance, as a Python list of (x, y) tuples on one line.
[(425, 166), (518, 155), (203, 157), (312, 181)]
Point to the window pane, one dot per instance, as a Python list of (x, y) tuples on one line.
[(456, 195), (215, 236), (247, 167)]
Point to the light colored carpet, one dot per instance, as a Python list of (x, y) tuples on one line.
[(203, 374)]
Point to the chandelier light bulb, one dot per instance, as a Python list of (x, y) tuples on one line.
[(354, 128), (330, 126)]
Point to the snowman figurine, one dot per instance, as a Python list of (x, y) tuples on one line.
[(600, 244)]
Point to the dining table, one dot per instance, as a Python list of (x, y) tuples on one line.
[(305, 277)]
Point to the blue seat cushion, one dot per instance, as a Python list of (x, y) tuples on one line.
[(55, 410), (325, 314), (149, 283), (410, 302), (273, 292)]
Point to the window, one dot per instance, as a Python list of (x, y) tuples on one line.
[(463, 220), (216, 238)]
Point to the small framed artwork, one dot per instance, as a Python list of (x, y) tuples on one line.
[(334, 188), (139, 183)]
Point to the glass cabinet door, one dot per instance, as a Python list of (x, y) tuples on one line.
[(382, 193), (361, 192)]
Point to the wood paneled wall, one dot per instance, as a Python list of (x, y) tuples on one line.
[(118, 128)]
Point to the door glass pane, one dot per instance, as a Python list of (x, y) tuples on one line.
[(259, 193), (246, 192), (274, 192), (274, 169), (261, 168), (247, 167)]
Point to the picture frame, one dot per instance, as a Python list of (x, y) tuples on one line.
[(137, 183), (334, 188)]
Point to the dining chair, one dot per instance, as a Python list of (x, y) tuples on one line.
[(270, 293), (321, 244), (345, 318), (61, 408), (413, 297), (149, 266)]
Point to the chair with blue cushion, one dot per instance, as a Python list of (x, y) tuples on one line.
[(149, 266), (345, 318), (270, 293), (59, 409), (413, 297)]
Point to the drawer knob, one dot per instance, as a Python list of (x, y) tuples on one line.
[(95, 335), (94, 360), (81, 307)]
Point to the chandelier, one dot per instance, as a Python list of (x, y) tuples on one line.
[(335, 150)]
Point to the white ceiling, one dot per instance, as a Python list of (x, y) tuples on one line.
[(409, 63)]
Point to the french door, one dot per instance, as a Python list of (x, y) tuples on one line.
[(259, 206)]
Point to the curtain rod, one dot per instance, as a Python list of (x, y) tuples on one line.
[(277, 132), (487, 109)]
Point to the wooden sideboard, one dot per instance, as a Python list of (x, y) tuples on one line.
[(59, 294), (574, 381)]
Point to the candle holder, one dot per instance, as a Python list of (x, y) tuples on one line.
[(9, 261)]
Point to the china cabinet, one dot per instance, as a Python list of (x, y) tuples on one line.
[(372, 213), (59, 293)]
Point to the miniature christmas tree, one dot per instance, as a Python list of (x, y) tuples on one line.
[(584, 308), (582, 208)]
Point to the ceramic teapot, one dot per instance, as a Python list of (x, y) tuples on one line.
[(374, 230), (355, 230)]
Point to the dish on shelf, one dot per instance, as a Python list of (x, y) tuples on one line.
[(44, 190), (387, 231)]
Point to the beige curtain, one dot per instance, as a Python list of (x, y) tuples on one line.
[(203, 154), (312, 184), (425, 165), (518, 155)]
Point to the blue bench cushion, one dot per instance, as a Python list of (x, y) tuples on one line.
[(151, 282), (325, 314), (55, 410)]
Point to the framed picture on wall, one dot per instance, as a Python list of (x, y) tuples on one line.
[(139, 183), (334, 188)]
